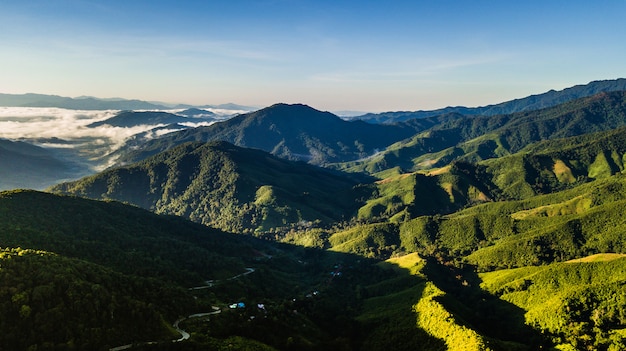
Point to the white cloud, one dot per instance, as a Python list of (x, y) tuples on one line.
[(68, 131), (57, 128), (70, 125)]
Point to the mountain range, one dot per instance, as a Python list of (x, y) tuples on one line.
[(93, 103), (532, 102), (290, 228), (295, 132), (481, 137)]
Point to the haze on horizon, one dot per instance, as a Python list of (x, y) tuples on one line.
[(348, 55)]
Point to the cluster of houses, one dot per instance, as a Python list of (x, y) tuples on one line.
[(240, 305)]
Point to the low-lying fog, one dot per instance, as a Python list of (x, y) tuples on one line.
[(85, 149)]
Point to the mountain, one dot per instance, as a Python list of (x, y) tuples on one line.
[(127, 119), (226, 186), (196, 113), (582, 298), (294, 132), (533, 102), (27, 165), (231, 106), (558, 164), (482, 137), (83, 103), (556, 258)]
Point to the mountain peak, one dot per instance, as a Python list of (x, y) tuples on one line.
[(281, 106)]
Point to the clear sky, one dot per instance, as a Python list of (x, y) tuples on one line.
[(333, 55)]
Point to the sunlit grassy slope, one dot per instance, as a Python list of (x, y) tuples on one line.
[(581, 304)]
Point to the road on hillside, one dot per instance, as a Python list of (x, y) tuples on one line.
[(183, 334)]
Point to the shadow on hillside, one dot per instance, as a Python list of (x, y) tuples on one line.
[(314, 299), (500, 321), (387, 319), (364, 302), (350, 302)]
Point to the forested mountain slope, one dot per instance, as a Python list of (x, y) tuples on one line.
[(497, 232), (78, 274), (226, 186)]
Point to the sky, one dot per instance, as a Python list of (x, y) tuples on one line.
[(332, 55)]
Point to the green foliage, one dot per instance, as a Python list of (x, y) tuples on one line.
[(375, 240), (115, 258), (437, 321), (559, 226), (404, 197), (559, 164), (578, 304), (224, 186), (425, 303), (49, 302), (125, 238)]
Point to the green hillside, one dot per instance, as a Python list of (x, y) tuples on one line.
[(441, 191), (125, 238), (478, 138), (580, 305), (50, 302), (478, 233), (79, 274), (228, 187), (541, 229)]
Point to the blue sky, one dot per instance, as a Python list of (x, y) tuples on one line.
[(332, 55)]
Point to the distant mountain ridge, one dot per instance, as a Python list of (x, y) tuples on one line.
[(128, 119), (532, 102), (92, 103), (196, 112), (86, 103)]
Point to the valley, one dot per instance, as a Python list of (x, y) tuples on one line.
[(289, 228)]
